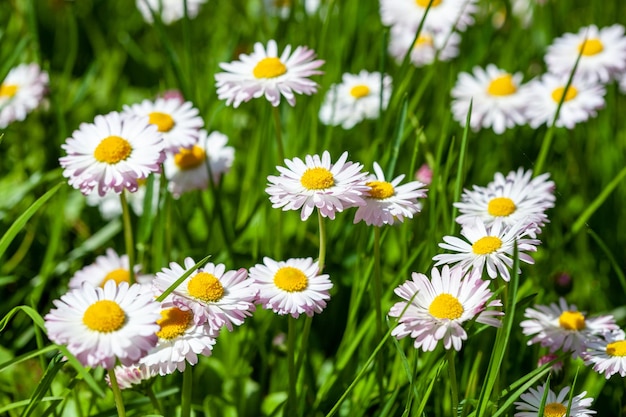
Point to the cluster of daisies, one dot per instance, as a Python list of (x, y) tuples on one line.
[(21, 92), (580, 65)]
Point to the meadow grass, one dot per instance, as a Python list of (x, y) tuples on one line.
[(100, 55)]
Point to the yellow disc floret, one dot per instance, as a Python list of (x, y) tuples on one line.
[(572, 320), (446, 306), (317, 179), (290, 279), (174, 322), (486, 245), (187, 159), (104, 316), (380, 189), (616, 348), (591, 47), (554, 410), (117, 275), (205, 287), (557, 94), (424, 3), (501, 207), (270, 67), (112, 150), (359, 91), (502, 86), (163, 121), (8, 90)]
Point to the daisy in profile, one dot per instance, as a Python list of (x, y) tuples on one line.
[(555, 405), (435, 309), (179, 122), (112, 153), (607, 354), (21, 91), (562, 326), (129, 376), (181, 340), (291, 287), (316, 182), (188, 169), (215, 296), (265, 73), (100, 325), (355, 99), (581, 101), (388, 202), (109, 267), (442, 16), (489, 247), (511, 199), (430, 45), (169, 11), (602, 53), (110, 205), (498, 99)]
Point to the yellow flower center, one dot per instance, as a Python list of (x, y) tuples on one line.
[(424, 3), (270, 67), (616, 348), (8, 90), (163, 121), (317, 179), (554, 410), (187, 159), (117, 275), (104, 316), (359, 91), (501, 206), (424, 40), (290, 279), (590, 47), (205, 287), (502, 86), (174, 322), (112, 150), (380, 189), (446, 306), (557, 94), (572, 320), (486, 245)]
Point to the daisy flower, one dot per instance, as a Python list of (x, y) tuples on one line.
[(387, 202), (607, 354), (112, 153), (291, 287), (181, 340), (424, 174), (110, 205), (497, 97), (128, 376), (355, 99), (168, 10), (489, 248), (179, 122), (214, 295), (102, 324), (511, 199), (556, 367), (602, 53), (282, 8), (562, 326), (582, 100), (264, 73), (109, 267), (442, 45), (555, 405), (443, 15), (315, 182), (187, 169), (435, 309), (21, 92)]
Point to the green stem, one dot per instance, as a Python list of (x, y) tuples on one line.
[(117, 394), (291, 409), (453, 385), (154, 400), (321, 259), (185, 407), (279, 134), (128, 237), (378, 295)]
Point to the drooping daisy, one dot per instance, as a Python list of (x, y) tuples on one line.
[(264, 73), (442, 45), (21, 91), (498, 99), (602, 53), (291, 287), (607, 354), (557, 365), (187, 169), (168, 10), (109, 267), (489, 248), (563, 327), (388, 202), (555, 405), (179, 123), (442, 16), (128, 376), (315, 182), (110, 205), (181, 340), (214, 295), (441, 306), (356, 98), (511, 199), (582, 100), (102, 324), (112, 153)]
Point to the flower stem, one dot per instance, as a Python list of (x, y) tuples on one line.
[(154, 400), (279, 135), (185, 407), (453, 385), (321, 259), (291, 409), (128, 237), (117, 394), (378, 295)]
